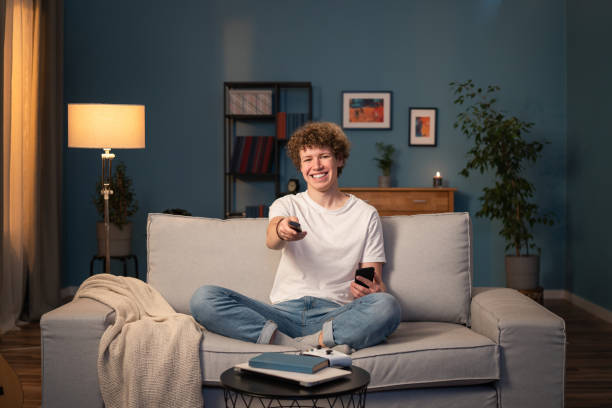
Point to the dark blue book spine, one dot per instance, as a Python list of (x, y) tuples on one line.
[(235, 164)]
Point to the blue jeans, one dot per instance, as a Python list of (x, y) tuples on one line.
[(362, 323)]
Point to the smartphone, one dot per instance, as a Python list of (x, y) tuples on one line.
[(367, 273), (295, 226)]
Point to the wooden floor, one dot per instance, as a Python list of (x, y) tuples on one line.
[(589, 358), (22, 351), (588, 381)]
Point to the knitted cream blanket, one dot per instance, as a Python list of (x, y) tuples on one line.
[(150, 356)]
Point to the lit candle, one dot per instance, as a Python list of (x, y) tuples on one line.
[(437, 180)]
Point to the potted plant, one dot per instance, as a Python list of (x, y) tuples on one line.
[(121, 206), (500, 147), (384, 162)]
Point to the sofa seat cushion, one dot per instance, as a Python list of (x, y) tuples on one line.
[(418, 354), (426, 354)]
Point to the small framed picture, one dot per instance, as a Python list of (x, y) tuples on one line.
[(423, 127), (366, 110)]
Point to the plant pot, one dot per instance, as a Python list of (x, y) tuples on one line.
[(522, 272), (120, 239), (384, 181)]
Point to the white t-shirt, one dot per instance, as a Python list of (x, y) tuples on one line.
[(323, 264)]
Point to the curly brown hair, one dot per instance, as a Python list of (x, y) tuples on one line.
[(319, 134)]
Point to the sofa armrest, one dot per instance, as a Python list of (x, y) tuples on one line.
[(69, 345), (532, 346)]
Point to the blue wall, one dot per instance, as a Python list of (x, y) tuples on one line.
[(589, 143), (174, 56)]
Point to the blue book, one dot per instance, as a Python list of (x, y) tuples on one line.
[(297, 363), (236, 154)]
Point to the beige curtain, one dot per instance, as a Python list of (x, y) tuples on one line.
[(31, 159)]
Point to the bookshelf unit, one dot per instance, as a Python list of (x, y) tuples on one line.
[(251, 157)]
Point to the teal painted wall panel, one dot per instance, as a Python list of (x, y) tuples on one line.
[(174, 56), (589, 143)]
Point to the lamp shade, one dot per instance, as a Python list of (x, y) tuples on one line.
[(106, 126)]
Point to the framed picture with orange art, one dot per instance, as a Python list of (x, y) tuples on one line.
[(423, 127), (366, 110)]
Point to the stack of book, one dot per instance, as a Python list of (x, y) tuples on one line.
[(305, 370), (253, 155)]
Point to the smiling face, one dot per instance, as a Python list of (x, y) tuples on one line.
[(319, 168)]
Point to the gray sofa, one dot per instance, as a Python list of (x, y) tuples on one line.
[(457, 345)]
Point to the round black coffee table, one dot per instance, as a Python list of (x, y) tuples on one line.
[(246, 389)]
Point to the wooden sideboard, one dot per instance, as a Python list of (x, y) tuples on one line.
[(406, 201)]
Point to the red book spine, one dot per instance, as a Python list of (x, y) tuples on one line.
[(259, 152), (252, 154), (244, 160), (265, 166), (281, 125), (253, 158)]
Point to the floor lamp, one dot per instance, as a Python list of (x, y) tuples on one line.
[(105, 126)]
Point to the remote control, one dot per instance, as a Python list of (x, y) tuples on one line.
[(295, 226), (336, 358)]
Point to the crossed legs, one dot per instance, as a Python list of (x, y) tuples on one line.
[(362, 323)]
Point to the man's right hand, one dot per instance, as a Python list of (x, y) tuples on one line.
[(286, 233), (279, 231)]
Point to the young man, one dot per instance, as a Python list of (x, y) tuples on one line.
[(315, 300)]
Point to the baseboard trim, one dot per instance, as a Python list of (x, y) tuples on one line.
[(592, 308), (582, 303), (557, 294)]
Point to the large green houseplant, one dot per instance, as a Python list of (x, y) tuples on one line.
[(384, 163), (121, 205), (500, 147)]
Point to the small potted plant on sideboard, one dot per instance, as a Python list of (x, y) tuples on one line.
[(121, 206), (384, 162)]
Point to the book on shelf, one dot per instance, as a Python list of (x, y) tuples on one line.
[(253, 155), (257, 211), (299, 363), (245, 154), (267, 164), (237, 154), (287, 123), (254, 158), (281, 125)]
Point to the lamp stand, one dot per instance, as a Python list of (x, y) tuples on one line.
[(107, 161)]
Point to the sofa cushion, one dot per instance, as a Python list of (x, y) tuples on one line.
[(428, 261), (417, 354), (429, 265), (184, 253)]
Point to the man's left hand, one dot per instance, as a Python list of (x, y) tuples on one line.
[(373, 286)]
